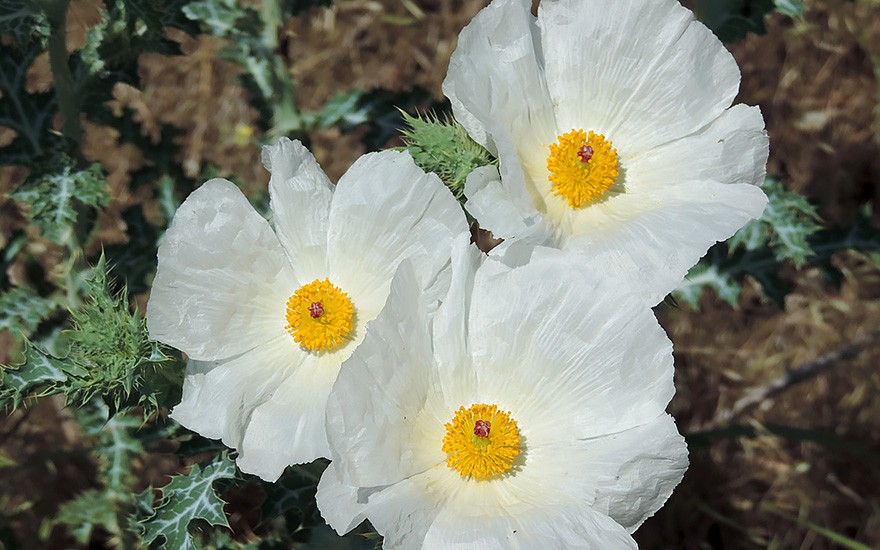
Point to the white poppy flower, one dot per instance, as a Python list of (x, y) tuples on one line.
[(613, 125), (267, 317), (533, 417)]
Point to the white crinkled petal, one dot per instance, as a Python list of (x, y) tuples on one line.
[(223, 280), (636, 470), (494, 75), (403, 512), (289, 428), (339, 502), (490, 203), (219, 397), (619, 67), (732, 149), (300, 200), (386, 209), (437, 509), (575, 360), (449, 327), (365, 428), (560, 527), (563, 332), (651, 240)]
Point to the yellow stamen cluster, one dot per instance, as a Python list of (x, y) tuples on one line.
[(319, 315), (481, 456), (582, 181)]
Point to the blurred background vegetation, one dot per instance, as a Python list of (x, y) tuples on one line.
[(112, 112)]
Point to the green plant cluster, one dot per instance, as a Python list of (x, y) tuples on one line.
[(445, 148), (109, 356), (790, 230)]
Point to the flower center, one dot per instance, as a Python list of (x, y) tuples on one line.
[(481, 441), (319, 315), (582, 167)]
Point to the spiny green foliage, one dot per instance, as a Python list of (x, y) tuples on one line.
[(186, 498), (39, 375), (89, 510), (788, 221), (20, 20), (707, 275), (115, 447), (111, 344), (722, 268), (445, 148), (55, 197), (110, 356), (253, 40), (791, 8), (22, 309)]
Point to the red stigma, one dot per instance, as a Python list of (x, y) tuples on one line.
[(316, 310), (481, 428), (585, 153)]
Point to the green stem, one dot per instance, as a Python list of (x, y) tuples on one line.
[(68, 105), (286, 117)]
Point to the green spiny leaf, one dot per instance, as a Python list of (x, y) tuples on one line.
[(764, 265), (90, 509), (219, 17), (186, 498), (111, 344), (22, 309), (116, 446), (445, 148), (791, 8), (40, 373), (706, 275), (786, 225), (109, 356), (253, 41), (109, 508), (19, 19), (54, 198)]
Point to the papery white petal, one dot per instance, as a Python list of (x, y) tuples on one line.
[(558, 527), (338, 502), (732, 149), (289, 428), (394, 361), (559, 331), (436, 509), (636, 470), (494, 75), (450, 324), (651, 240), (492, 205), (403, 512), (219, 397), (223, 281), (387, 209), (619, 67), (300, 196)]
